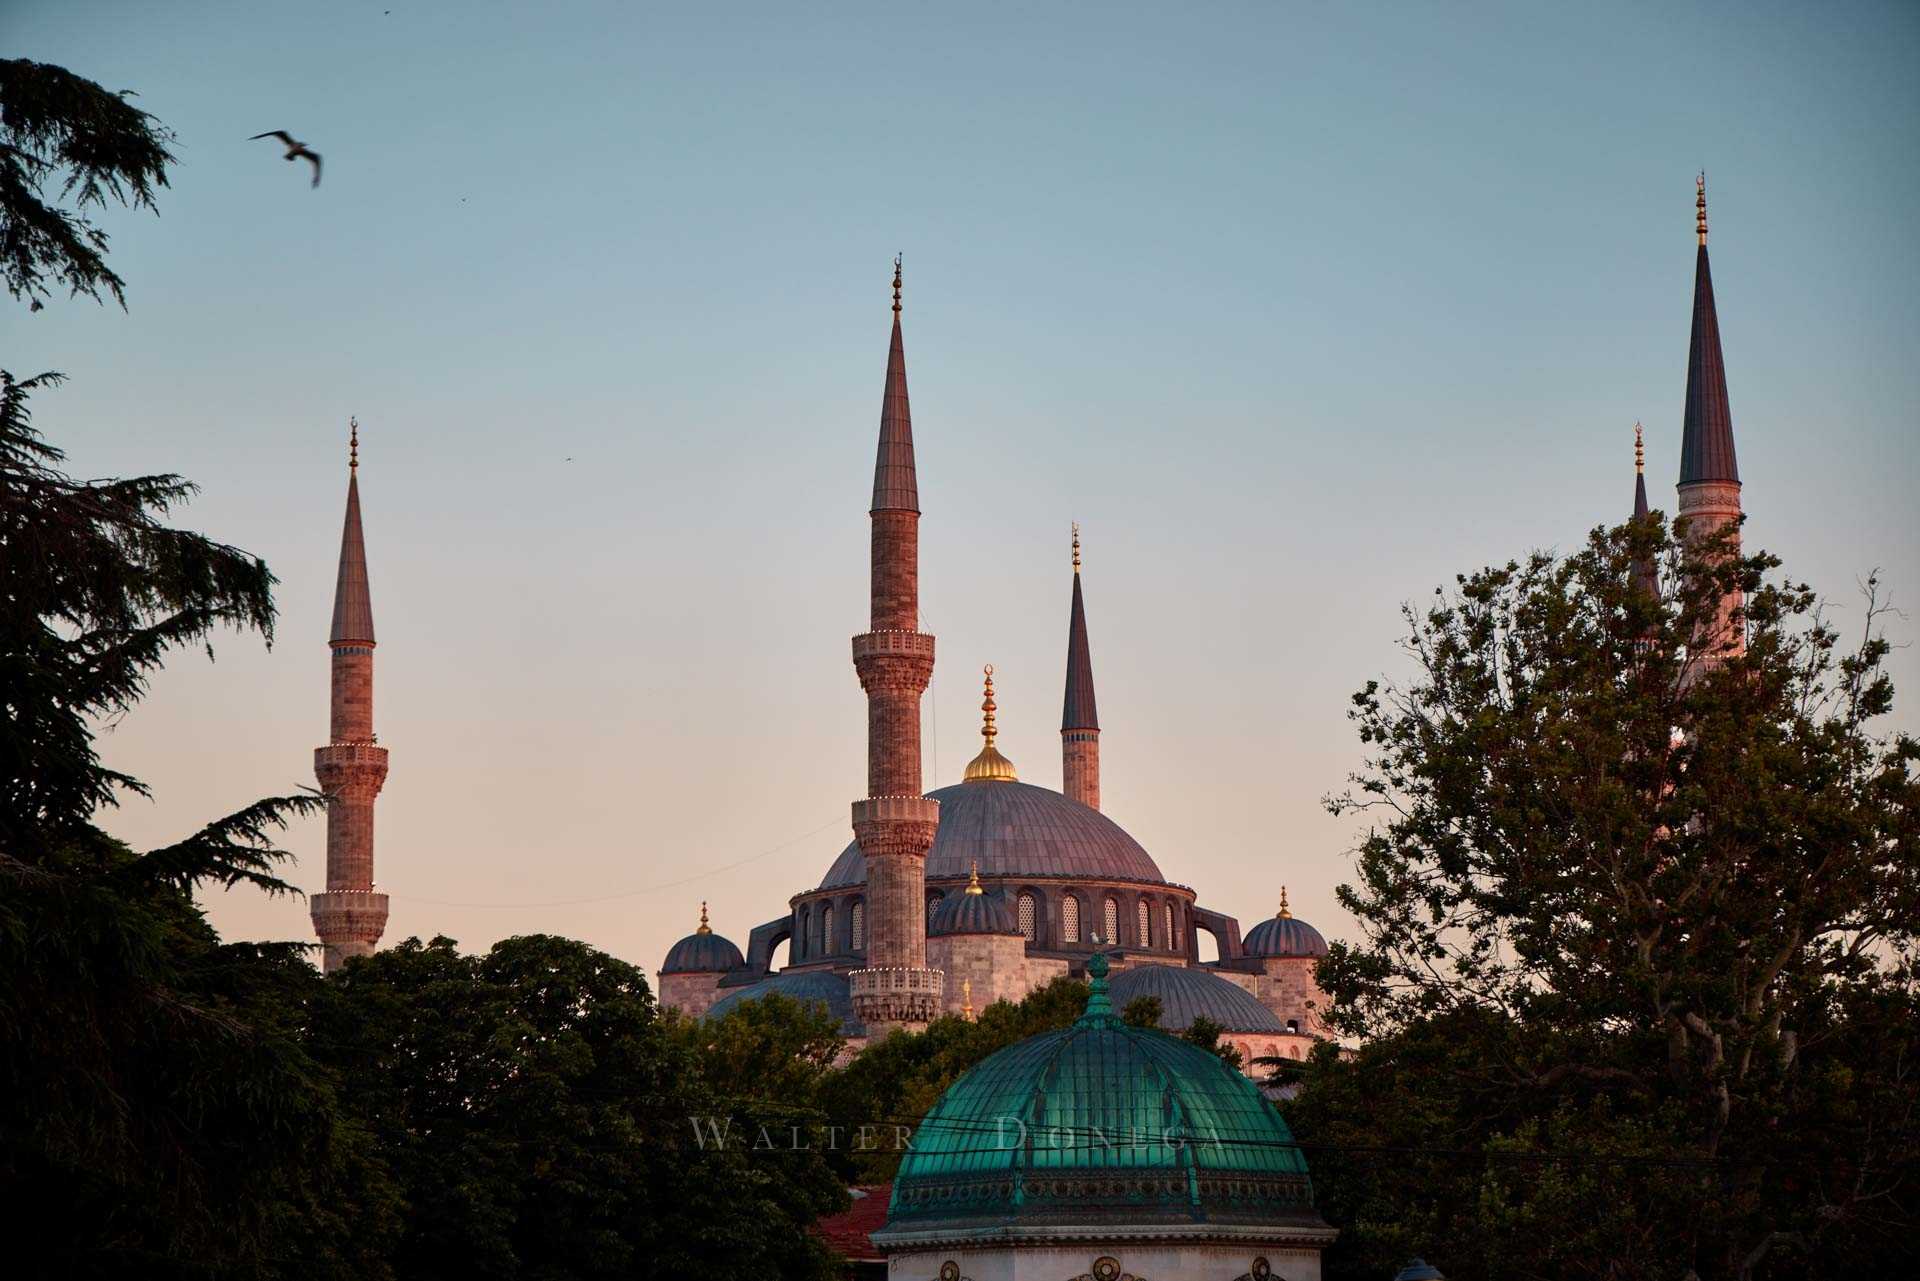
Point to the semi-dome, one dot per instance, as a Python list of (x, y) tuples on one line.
[(823, 986), (1283, 934), (1187, 994), (1015, 829), (1100, 1123), (975, 910), (702, 952)]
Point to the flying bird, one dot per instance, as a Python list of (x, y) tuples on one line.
[(295, 149)]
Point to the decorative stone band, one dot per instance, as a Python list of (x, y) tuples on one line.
[(350, 767), (896, 995), (885, 825), (1717, 500), (344, 917), (1135, 1194), (895, 1239)]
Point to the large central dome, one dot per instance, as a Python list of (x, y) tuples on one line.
[(1014, 830)]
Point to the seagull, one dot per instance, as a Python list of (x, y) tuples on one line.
[(295, 149)]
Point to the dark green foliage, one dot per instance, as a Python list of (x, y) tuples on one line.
[(158, 1114), (89, 145), (1142, 1011), (895, 1081), (539, 1118), (1635, 970), (1205, 1033)]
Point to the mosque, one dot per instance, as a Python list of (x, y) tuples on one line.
[(1136, 1154), (984, 890)]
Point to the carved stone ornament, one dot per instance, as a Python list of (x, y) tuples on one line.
[(1106, 1268), (1260, 1271), (950, 1271)]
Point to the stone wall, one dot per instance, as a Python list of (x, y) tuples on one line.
[(692, 994), (1276, 1257), (1287, 988)]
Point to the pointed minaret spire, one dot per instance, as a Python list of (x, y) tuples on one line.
[(1709, 486), (1644, 573), (350, 916), (1079, 719), (895, 486), (894, 825)]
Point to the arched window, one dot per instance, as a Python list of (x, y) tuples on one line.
[(1293, 1025), (1145, 941), (803, 941), (1167, 940), (1069, 919), (859, 914), (826, 930), (1027, 927), (1113, 921)]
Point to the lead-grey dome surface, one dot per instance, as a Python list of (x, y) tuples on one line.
[(824, 986), (1016, 829), (1186, 994)]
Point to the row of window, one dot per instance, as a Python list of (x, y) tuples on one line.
[(1164, 930)]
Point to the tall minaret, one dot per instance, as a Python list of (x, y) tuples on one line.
[(350, 916), (894, 826), (1079, 722), (1709, 475)]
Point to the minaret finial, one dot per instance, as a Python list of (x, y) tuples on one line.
[(353, 444), (1700, 206), (1639, 451), (1076, 546), (896, 285), (704, 927), (1285, 913), (973, 879), (988, 706)]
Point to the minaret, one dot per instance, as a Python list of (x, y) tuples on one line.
[(1079, 722), (894, 825), (1709, 475), (350, 916), (1645, 576)]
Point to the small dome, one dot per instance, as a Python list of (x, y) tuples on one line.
[(1283, 935), (1100, 1123), (1186, 995), (973, 911), (702, 952), (822, 986)]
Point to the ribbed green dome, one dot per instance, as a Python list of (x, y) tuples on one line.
[(1101, 1122)]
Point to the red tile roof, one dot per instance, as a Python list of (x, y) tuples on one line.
[(848, 1233)]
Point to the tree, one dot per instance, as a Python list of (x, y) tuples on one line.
[(59, 129), (1637, 928), (543, 1119), (159, 1114)]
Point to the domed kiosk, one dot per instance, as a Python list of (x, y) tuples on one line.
[(1103, 1151)]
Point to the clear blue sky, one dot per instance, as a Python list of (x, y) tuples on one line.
[(1298, 308)]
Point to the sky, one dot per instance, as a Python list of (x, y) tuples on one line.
[(1298, 309)]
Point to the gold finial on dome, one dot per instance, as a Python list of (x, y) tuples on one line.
[(966, 995), (1700, 206), (990, 766), (1285, 913), (353, 444), (1076, 546), (1639, 451), (973, 880), (704, 927)]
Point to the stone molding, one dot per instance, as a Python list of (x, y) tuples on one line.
[(349, 916), (896, 995)]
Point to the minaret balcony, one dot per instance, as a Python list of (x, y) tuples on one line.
[(907, 644)]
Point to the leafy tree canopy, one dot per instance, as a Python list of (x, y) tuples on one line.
[(63, 138), (1637, 921)]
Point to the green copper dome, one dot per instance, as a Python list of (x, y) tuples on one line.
[(1100, 1122)]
